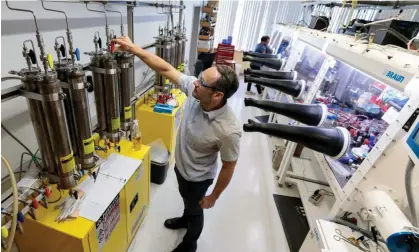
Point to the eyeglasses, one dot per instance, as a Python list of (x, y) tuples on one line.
[(204, 84)]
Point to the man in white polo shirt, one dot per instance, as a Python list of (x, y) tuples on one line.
[(209, 126)]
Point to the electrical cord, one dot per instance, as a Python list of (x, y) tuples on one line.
[(15, 204), (303, 22), (326, 192), (21, 164), (20, 142), (59, 198), (144, 77), (30, 163), (7, 176), (395, 33), (17, 140)]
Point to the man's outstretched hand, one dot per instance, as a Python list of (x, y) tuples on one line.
[(125, 44), (208, 201)]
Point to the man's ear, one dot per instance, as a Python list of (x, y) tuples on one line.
[(220, 94)]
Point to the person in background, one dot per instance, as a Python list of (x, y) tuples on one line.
[(209, 126), (262, 47)]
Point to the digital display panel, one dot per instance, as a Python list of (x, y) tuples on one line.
[(416, 137)]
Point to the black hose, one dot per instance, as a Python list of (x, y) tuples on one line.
[(333, 142), (280, 75), (261, 55), (294, 88), (271, 63), (309, 114)]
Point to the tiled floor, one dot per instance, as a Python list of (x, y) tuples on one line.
[(244, 219)]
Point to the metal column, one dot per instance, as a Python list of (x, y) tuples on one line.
[(130, 22)]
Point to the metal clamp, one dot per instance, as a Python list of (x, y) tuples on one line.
[(165, 46), (112, 135), (74, 86), (64, 85), (87, 160), (161, 88), (45, 98), (103, 70), (125, 65)]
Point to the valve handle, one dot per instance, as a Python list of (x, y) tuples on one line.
[(50, 61), (89, 85), (77, 53), (47, 191), (62, 50), (32, 56), (35, 203), (4, 232), (20, 217), (76, 195), (99, 42), (112, 47)]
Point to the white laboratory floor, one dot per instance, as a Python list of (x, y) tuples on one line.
[(244, 219)]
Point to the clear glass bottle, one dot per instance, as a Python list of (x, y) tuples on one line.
[(136, 137)]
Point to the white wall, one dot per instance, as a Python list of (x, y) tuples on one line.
[(14, 113)]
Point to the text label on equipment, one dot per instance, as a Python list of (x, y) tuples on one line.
[(397, 77)]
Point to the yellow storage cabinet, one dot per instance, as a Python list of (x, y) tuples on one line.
[(160, 125), (46, 235)]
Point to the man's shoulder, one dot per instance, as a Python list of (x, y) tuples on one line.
[(229, 122), (260, 45)]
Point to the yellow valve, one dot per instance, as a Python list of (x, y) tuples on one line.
[(4, 232), (96, 138), (354, 3), (167, 82), (371, 40), (50, 61)]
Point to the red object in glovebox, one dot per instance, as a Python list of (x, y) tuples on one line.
[(35, 203)]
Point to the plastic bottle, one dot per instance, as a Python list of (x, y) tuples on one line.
[(136, 137)]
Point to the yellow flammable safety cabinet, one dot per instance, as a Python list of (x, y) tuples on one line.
[(111, 213), (163, 126)]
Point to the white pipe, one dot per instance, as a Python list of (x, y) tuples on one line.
[(382, 21), (384, 213), (15, 204)]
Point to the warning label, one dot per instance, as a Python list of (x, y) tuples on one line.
[(108, 221)]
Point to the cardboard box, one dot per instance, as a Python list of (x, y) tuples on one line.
[(208, 44)]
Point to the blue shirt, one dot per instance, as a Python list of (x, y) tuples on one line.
[(261, 48)]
